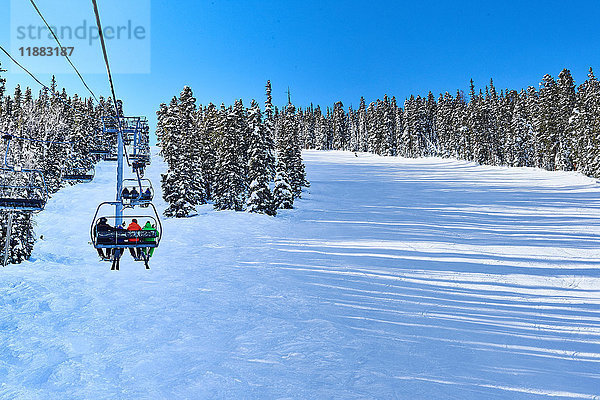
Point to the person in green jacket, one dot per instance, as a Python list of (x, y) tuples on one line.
[(149, 227)]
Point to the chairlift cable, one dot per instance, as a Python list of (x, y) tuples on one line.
[(56, 95), (65, 55), (101, 34)]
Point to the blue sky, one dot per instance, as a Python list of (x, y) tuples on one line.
[(327, 51)]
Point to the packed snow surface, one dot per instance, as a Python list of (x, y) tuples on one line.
[(393, 278)]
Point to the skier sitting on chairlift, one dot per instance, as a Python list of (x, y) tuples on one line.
[(149, 227), (125, 193), (118, 252), (103, 227), (135, 252)]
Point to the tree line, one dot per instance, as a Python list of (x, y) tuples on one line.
[(236, 157), (554, 127), (49, 118)]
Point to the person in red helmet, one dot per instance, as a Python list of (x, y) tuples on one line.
[(135, 252)]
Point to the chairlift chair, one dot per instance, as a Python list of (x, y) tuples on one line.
[(130, 127), (140, 157), (83, 175), (111, 157), (22, 189), (139, 167), (110, 125), (143, 194), (99, 152), (127, 138), (115, 239)]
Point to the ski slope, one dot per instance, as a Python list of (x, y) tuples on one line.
[(392, 279)]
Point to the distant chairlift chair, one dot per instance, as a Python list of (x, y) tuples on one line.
[(22, 189), (100, 152), (84, 175), (137, 192)]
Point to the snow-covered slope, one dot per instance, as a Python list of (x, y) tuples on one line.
[(411, 279)]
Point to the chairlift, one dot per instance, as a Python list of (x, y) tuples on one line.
[(109, 239), (99, 152), (84, 175), (111, 157), (140, 156), (140, 145), (137, 191), (22, 189), (138, 167), (131, 127), (139, 164), (106, 237), (110, 125), (134, 132)]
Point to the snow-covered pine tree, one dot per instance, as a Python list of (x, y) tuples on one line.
[(179, 137), (230, 177), (460, 146), (566, 104), (396, 126), (493, 118), (320, 130), (17, 101), (283, 197), (443, 123), (389, 125), (353, 129), (209, 126), (260, 199), (79, 134), (362, 126), (476, 120), (578, 129), (532, 107), (422, 129), (308, 128), (589, 123), (58, 122), (29, 121), (107, 142), (327, 131), (172, 183), (431, 139), (519, 148), (2, 84), (341, 134), (461, 117), (191, 147), (504, 111), (546, 123), (378, 143), (289, 151), (22, 236), (162, 133), (270, 133), (241, 126)]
